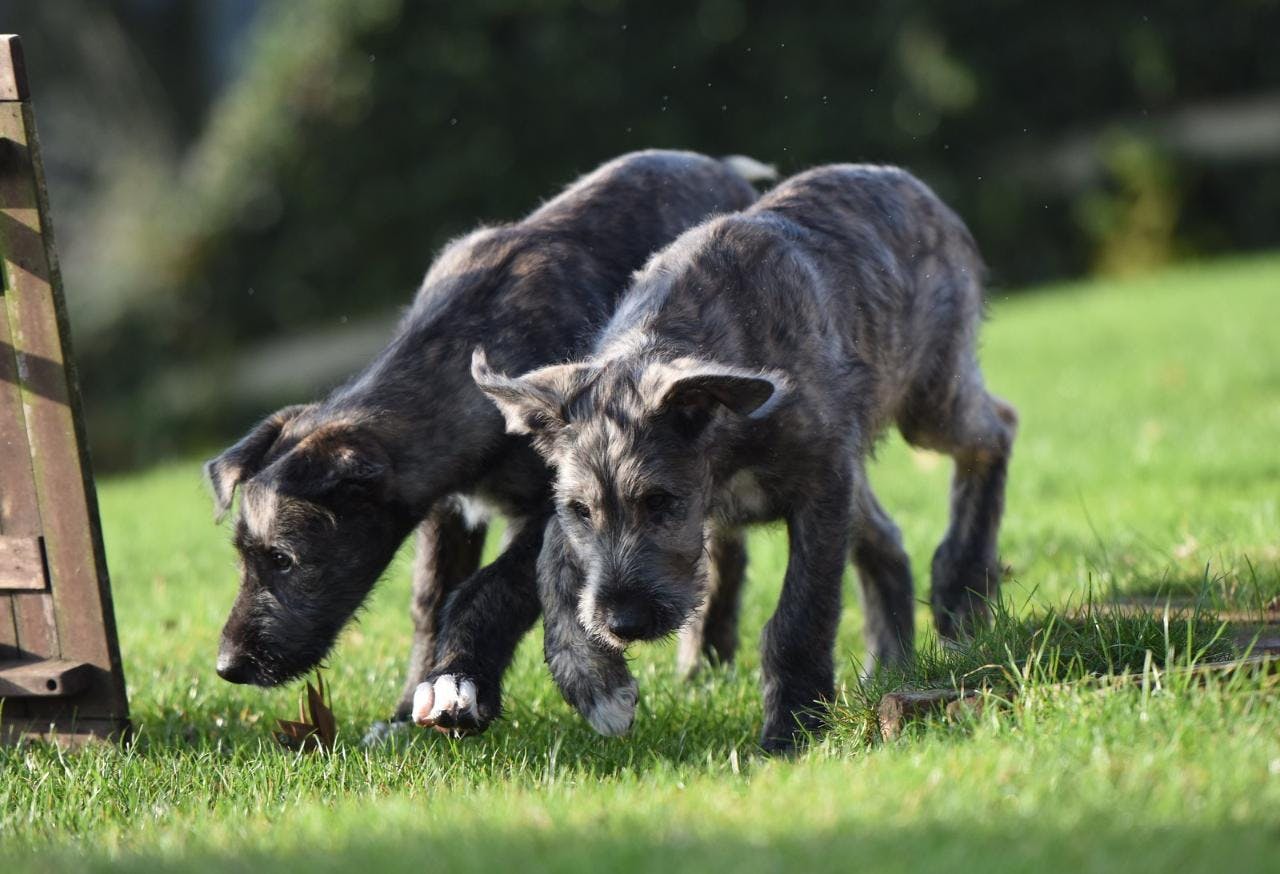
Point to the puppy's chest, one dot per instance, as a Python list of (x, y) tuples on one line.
[(743, 500)]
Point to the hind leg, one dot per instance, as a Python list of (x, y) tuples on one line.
[(713, 633), (977, 430), (888, 596)]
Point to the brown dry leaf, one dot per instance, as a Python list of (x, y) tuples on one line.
[(316, 728), (297, 735), (321, 714)]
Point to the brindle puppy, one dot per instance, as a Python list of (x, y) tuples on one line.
[(331, 489), (745, 378)]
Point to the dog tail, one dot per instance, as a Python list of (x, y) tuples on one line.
[(750, 169)]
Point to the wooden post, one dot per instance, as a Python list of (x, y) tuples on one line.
[(60, 673)]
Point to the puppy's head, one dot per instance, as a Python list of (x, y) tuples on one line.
[(632, 444), (318, 522)]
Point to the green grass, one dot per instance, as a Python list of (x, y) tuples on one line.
[(1147, 463)]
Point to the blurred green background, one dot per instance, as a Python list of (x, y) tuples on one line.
[(247, 191)]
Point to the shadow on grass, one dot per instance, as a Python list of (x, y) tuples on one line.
[(719, 714), (715, 716), (1016, 653), (1243, 586), (792, 843)]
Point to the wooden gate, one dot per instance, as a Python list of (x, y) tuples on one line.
[(60, 669)]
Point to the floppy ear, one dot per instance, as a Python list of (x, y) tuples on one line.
[(534, 403), (333, 456), (691, 391), (244, 459)]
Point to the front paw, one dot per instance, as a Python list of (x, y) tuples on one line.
[(781, 745), (451, 703), (787, 731), (612, 712), (596, 683), (784, 740), (963, 592)]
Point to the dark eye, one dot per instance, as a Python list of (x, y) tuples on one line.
[(281, 561), (659, 503), (581, 510)]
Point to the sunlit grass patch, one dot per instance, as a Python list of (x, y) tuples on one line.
[(1018, 655), (1143, 508)]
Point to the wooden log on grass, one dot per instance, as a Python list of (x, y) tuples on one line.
[(897, 710)]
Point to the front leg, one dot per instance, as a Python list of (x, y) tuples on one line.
[(446, 553), (481, 625), (798, 662), (592, 677)]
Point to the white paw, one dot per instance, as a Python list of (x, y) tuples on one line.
[(613, 714), (381, 732), (448, 698)]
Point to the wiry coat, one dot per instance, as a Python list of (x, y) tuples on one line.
[(745, 378), (330, 490)]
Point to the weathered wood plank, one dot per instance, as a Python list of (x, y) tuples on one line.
[(21, 563), (51, 678), (9, 649), (36, 618), (36, 376), (13, 69), (18, 512), (64, 485), (64, 502), (8, 631)]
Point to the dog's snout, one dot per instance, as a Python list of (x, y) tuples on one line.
[(232, 665), (628, 621)]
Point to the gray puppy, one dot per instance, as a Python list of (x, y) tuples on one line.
[(331, 489), (745, 378)]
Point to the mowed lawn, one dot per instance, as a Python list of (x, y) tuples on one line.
[(1148, 462)]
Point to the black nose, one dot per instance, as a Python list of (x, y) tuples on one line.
[(627, 621), (233, 666)]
